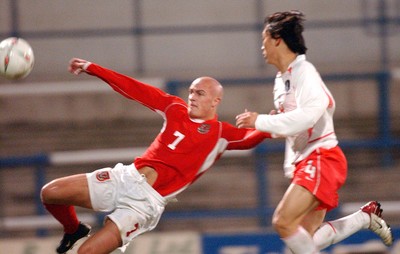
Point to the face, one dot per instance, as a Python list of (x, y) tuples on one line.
[(203, 99), (268, 47)]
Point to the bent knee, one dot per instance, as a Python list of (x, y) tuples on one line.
[(283, 226), (278, 222), (48, 193), (86, 249)]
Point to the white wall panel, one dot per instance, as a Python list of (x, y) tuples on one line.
[(345, 47), (75, 14), (5, 17), (201, 51), (196, 51), (194, 13), (52, 56), (317, 10)]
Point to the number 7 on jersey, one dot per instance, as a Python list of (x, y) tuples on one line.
[(179, 136)]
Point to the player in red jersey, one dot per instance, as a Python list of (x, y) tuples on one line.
[(190, 141), (313, 160)]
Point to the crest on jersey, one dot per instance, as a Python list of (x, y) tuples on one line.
[(204, 128), (287, 85), (103, 176)]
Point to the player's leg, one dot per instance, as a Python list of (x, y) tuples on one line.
[(59, 198), (294, 207), (70, 190), (313, 220), (369, 216), (332, 232), (322, 173), (104, 241)]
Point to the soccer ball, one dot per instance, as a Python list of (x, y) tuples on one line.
[(16, 58)]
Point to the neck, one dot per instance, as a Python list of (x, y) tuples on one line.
[(285, 61), (202, 119)]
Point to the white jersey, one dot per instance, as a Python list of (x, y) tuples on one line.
[(305, 113)]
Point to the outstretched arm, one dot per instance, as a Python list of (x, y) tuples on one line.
[(243, 138), (150, 96), (248, 119)]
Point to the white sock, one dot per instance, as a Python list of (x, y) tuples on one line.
[(335, 231), (301, 242)]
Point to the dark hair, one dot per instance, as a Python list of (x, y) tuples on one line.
[(287, 25)]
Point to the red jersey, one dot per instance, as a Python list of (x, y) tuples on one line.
[(185, 148)]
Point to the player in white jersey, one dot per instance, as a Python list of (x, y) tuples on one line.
[(313, 159), (190, 141)]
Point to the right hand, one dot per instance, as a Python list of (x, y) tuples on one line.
[(246, 119), (77, 65)]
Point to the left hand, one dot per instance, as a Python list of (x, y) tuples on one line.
[(76, 65), (246, 119)]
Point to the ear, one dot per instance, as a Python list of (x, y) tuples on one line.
[(216, 101), (278, 42)]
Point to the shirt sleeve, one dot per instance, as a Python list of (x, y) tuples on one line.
[(150, 96), (241, 139), (311, 101)]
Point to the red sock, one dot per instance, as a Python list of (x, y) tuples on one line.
[(66, 215)]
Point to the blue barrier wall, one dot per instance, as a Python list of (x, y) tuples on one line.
[(262, 243)]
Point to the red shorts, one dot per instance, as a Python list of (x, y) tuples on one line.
[(323, 172)]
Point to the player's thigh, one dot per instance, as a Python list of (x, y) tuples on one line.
[(104, 241), (70, 190), (294, 206), (313, 220)]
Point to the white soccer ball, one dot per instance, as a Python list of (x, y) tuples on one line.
[(16, 58)]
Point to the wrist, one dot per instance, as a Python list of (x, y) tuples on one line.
[(86, 65)]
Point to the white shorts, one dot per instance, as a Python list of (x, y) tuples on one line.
[(136, 207)]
